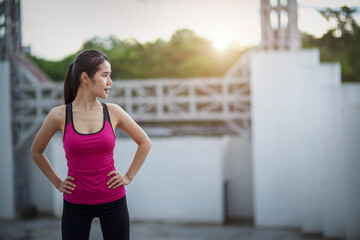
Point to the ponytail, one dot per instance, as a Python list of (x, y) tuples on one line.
[(87, 61), (71, 85)]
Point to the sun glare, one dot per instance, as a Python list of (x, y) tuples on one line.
[(221, 44)]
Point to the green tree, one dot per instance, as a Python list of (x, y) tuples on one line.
[(341, 43), (184, 55), (345, 23)]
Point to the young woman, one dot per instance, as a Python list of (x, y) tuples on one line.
[(93, 187)]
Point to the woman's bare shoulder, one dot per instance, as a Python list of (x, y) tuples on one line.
[(58, 113), (113, 107), (58, 110), (117, 113)]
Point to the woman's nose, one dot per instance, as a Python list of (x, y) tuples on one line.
[(110, 82)]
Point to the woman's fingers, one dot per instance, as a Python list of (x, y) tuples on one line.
[(69, 178), (119, 180), (116, 180), (69, 187), (117, 175), (118, 185), (65, 186), (112, 179), (66, 191), (70, 183), (63, 189)]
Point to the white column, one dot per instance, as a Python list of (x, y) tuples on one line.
[(276, 124), (298, 143), (7, 204), (351, 102)]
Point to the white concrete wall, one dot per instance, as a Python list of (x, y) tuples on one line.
[(187, 172), (351, 102), (58, 161), (7, 207), (238, 173), (40, 186), (181, 180), (276, 128), (304, 136), (334, 205)]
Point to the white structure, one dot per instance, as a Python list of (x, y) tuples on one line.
[(279, 25), (182, 179), (303, 153), (7, 208), (350, 94)]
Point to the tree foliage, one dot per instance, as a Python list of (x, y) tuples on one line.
[(184, 55), (341, 43)]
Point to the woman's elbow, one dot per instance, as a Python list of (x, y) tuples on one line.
[(146, 144), (34, 152), (149, 143)]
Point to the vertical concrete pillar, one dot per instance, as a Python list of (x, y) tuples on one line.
[(351, 99), (7, 209), (298, 147)]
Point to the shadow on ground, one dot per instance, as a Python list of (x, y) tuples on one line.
[(48, 228)]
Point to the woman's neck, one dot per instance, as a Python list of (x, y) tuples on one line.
[(84, 100)]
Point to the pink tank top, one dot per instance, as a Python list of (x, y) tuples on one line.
[(90, 157)]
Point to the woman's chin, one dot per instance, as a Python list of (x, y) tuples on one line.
[(104, 96)]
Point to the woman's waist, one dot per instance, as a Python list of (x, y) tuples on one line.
[(95, 197), (91, 180), (90, 167)]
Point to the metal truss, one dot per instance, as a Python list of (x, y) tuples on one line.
[(33, 97), (178, 100), (223, 101), (150, 102), (10, 47), (279, 25), (10, 28), (199, 106)]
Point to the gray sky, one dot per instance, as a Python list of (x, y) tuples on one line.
[(56, 28)]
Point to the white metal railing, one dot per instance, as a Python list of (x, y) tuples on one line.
[(176, 100), (223, 99)]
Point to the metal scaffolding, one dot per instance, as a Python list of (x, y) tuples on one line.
[(279, 25), (10, 48)]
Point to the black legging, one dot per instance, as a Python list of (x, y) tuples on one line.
[(114, 220)]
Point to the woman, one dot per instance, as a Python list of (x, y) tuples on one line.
[(93, 187)]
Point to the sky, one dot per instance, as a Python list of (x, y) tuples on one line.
[(55, 29)]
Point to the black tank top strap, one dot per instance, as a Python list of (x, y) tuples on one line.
[(68, 113), (106, 112), (107, 116)]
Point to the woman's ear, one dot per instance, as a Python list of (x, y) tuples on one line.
[(84, 78)]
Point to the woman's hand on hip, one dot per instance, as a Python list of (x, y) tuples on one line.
[(66, 186), (117, 180)]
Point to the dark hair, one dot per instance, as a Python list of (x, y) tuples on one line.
[(87, 61)]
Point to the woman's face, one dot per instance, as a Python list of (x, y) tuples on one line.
[(101, 82)]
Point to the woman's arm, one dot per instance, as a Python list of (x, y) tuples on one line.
[(128, 125), (52, 123)]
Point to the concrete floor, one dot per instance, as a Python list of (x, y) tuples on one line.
[(49, 228)]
